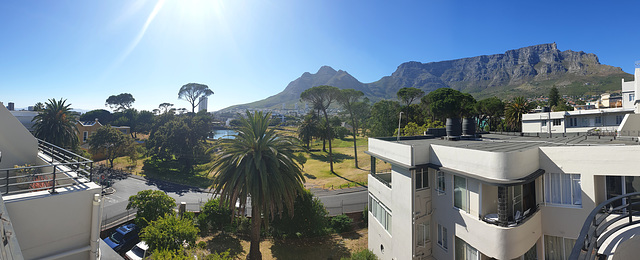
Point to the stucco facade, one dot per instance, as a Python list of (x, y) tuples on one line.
[(492, 197)]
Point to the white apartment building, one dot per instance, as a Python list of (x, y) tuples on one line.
[(582, 121), (495, 197), (52, 208), (204, 102)]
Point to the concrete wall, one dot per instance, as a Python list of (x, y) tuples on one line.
[(491, 165), (630, 125), (402, 212), (47, 224), (399, 152), (17, 145)]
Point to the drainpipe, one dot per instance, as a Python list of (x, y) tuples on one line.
[(95, 228)]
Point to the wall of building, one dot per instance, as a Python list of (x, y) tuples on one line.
[(490, 165), (17, 145), (47, 224), (398, 152)]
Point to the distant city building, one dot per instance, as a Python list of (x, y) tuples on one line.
[(203, 104), (11, 107)]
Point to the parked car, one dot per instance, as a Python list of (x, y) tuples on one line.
[(123, 237), (138, 252)]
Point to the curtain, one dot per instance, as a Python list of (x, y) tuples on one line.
[(577, 190), (553, 247)]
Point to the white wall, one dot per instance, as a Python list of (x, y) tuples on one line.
[(47, 224), (17, 145), (399, 152)]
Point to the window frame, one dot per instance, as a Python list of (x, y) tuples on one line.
[(441, 185), (557, 122), (550, 197), (424, 227), (422, 173), (379, 207), (442, 237), (464, 194)]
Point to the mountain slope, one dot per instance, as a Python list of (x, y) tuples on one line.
[(528, 71)]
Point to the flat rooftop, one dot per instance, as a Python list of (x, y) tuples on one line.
[(511, 142)]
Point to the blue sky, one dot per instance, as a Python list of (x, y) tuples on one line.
[(85, 51)]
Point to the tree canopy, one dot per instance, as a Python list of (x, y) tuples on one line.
[(490, 110), (348, 99), (514, 111), (170, 232), (192, 93), (103, 116), (384, 118), (120, 102), (321, 98), (110, 142), (151, 205), (56, 124), (554, 97), (450, 103), (408, 95)]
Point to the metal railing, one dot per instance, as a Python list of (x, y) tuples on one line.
[(527, 214), (597, 228), (62, 168)]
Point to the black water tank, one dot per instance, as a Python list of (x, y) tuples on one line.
[(468, 126), (453, 126)]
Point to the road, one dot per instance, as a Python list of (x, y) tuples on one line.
[(114, 207)]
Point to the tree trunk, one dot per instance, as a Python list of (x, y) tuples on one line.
[(355, 135), (328, 134), (254, 249)]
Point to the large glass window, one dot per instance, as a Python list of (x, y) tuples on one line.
[(620, 185), (442, 236), (441, 183), (422, 178), (380, 212), (464, 251), (562, 189), (557, 247), (460, 193), (422, 234)]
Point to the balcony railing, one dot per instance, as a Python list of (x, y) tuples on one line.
[(517, 219), (384, 177), (61, 168), (598, 226)]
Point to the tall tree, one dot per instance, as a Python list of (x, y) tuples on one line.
[(384, 118), (348, 99), (103, 116), (151, 205), (38, 107), (309, 129), (56, 124), (165, 107), (407, 96), (554, 97), (261, 164), (449, 103), (514, 111), (110, 142), (490, 110), (321, 97), (120, 102), (192, 93)]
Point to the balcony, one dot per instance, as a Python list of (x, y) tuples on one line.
[(508, 206), (56, 168), (384, 177)]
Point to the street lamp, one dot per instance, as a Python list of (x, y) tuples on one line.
[(399, 120)]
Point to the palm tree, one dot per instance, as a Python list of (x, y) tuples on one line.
[(56, 124), (514, 111), (309, 129), (260, 164)]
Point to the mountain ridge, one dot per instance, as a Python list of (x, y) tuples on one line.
[(530, 70)]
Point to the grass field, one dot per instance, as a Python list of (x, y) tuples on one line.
[(316, 170)]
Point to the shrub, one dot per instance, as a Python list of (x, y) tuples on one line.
[(309, 218), (169, 232), (242, 225), (364, 254), (202, 245), (341, 223), (164, 254), (214, 216), (220, 256), (151, 205)]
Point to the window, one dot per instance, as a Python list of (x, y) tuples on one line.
[(85, 136), (422, 178), (619, 119), (441, 186), (573, 121), (562, 189), (422, 234), (464, 251), (544, 123), (442, 237), (598, 120), (632, 97), (620, 185), (557, 122), (557, 247), (380, 212), (460, 193)]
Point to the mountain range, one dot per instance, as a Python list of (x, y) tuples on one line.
[(529, 71)]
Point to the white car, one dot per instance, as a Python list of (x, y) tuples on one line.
[(138, 252)]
